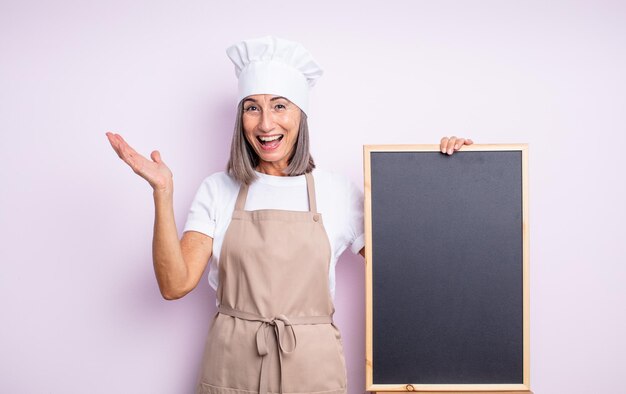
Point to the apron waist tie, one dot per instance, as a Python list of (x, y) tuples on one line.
[(279, 325)]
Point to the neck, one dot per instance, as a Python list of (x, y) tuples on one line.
[(272, 168)]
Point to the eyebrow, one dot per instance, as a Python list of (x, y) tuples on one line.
[(272, 99)]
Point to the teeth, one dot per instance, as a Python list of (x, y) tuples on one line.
[(268, 139)]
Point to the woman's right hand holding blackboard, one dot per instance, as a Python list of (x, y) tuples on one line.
[(452, 144)]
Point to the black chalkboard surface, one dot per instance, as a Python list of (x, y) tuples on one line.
[(447, 268)]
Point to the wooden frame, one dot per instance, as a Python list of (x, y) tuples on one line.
[(443, 388)]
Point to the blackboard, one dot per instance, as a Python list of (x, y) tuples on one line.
[(447, 268)]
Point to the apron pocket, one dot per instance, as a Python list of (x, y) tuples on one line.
[(318, 363)]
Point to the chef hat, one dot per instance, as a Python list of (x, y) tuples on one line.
[(271, 65)]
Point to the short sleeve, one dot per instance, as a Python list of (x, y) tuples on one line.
[(201, 216), (355, 218)]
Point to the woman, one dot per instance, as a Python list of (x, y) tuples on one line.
[(275, 279)]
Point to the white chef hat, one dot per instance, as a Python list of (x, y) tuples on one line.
[(271, 65)]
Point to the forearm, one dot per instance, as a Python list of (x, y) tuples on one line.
[(169, 264)]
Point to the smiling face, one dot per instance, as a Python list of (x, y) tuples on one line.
[(271, 125)]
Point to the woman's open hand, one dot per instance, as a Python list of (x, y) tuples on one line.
[(452, 144), (155, 172)]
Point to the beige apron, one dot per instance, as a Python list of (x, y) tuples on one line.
[(273, 332)]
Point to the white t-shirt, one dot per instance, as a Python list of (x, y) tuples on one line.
[(338, 200)]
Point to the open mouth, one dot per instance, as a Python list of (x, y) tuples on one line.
[(270, 142)]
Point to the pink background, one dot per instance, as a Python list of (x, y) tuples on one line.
[(81, 309)]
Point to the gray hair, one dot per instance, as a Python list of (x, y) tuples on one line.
[(243, 159)]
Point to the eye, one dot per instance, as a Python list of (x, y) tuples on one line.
[(280, 106), (250, 108)]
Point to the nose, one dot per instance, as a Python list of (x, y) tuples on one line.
[(267, 121)]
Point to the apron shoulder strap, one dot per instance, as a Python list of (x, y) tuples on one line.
[(310, 186), (241, 198)]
